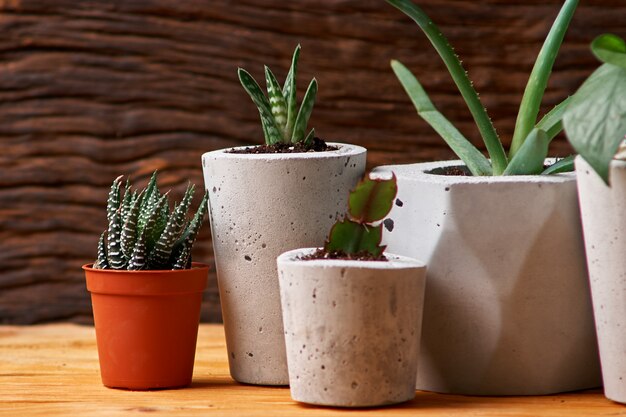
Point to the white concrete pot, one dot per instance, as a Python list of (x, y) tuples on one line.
[(352, 328), (259, 207), (603, 211), (507, 308)]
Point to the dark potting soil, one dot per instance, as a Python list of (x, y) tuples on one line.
[(318, 145), (454, 171), (339, 254)]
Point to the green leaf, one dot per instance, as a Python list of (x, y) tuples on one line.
[(475, 161), (129, 230), (562, 165), (595, 121), (552, 122), (530, 158), (372, 199), (270, 128), (115, 257), (277, 103), (289, 91), (101, 262), (352, 237), (310, 137), (305, 112), (610, 49), (538, 81), (188, 238), (113, 201), (461, 79)]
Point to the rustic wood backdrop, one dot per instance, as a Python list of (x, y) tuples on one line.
[(90, 89)]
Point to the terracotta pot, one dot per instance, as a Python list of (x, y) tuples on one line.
[(146, 325), (259, 207), (352, 328), (507, 308)]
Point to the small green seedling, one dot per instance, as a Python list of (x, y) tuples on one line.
[(143, 233), (358, 233), (531, 138), (595, 120), (281, 119)]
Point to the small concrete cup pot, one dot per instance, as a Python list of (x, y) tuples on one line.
[(603, 210), (507, 307), (352, 328), (261, 205), (146, 325)]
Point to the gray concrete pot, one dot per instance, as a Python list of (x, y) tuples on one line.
[(603, 212), (507, 308), (352, 328), (259, 207)]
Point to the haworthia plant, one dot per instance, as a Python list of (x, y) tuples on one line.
[(281, 119), (143, 234), (359, 232), (530, 138)]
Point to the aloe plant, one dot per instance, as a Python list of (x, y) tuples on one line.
[(531, 138), (359, 232), (595, 121), (281, 119), (143, 234)]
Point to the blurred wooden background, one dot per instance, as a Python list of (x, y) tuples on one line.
[(90, 89)]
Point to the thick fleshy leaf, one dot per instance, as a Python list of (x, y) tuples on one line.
[(310, 137), (101, 262), (271, 129), (552, 122), (115, 257), (372, 199), (129, 230), (562, 165), (530, 158), (188, 238), (289, 91), (476, 162), (595, 121), (113, 201), (277, 103), (610, 49), (306, 108), (352, 237)]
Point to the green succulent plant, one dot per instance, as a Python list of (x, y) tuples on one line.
[(282, 120), (368, 204), (531, 138), (143, 234)]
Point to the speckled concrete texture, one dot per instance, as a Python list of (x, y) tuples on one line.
[(507, 308), (259, 207), (352, 329), (603, 211)]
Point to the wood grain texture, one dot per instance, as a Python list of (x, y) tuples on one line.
[(90, 89), (52, 370)]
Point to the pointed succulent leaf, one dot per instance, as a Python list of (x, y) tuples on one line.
[(277, 102), (352, 237), (552, 122), (562, 165), (115, 257), (476, 162), (139, 258), (129, 230), (182, 259), (188, 238), (153, 220), (289, 91), (270, 128), (530, 158), (163, 248), (372, 199), (101, 262), (126, 200), (113, 202), (306, 108), (310, 137), (611, 49)]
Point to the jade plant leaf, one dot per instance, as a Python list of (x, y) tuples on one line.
[(372, 200), (352, 237)]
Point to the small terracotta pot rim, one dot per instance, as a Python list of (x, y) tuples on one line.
[(194, 267)]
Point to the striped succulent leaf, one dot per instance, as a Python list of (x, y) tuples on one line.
[(163, 248), (127, 202), (113, 202), (101, 262), (162, 215), (130, 230), (115, 257), (183, 258), (305, 112), (188, 238), (278, 105), (270, 128), (139, 257), (289, 91)]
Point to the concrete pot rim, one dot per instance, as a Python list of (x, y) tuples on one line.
[(345, 149), (419, 172), (395, 261), (615, 163)]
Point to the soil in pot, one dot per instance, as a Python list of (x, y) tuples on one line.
[(317, 145), (341, 255)]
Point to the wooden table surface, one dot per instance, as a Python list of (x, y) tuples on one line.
[(52, 370)]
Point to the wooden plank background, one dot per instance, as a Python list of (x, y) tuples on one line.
[(90, 89)]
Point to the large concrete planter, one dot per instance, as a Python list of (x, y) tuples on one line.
[(259, 207), (603, 211), (352, 328), (507, 308)]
